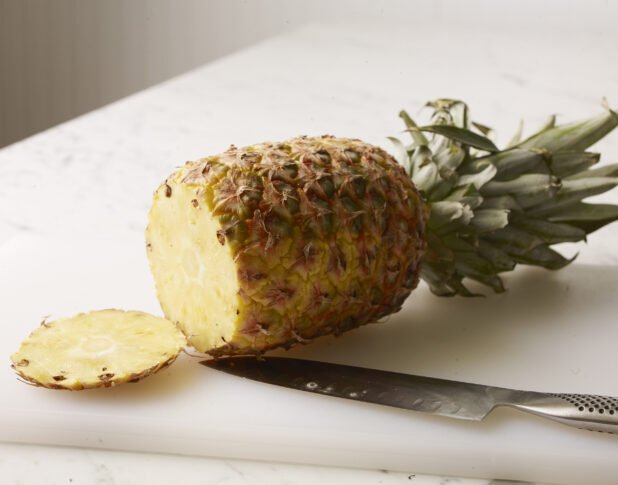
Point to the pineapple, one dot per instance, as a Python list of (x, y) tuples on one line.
[(100, 348), (278, 243)]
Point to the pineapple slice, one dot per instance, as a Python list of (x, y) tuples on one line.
[(100, 348)]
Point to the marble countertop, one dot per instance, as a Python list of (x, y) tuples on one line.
[(96, 174), (31, 464)]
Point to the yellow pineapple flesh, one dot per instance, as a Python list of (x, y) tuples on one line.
[(100, 348), (195, 274)]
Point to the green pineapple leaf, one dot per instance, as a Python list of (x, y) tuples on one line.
[(461, 135), (492, 210)]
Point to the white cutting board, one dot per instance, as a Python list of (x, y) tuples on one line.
[(552, 331)]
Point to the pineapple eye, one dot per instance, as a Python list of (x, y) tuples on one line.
[(284, 174), (349, 204), (324, 156), (325, 215), (291, 204), (251, 157), (353, 156), (277, 226), (282, 187), (377, 199), (327, 186), (378, 158), (291, 169), (359, 185)]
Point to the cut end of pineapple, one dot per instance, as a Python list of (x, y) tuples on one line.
[(96, 349), (193, 266)]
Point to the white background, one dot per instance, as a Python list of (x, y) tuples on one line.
[(61, 58)]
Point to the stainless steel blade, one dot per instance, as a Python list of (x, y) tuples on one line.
[(436, 396), (443, 397)]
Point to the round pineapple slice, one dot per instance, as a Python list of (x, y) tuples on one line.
[(100, 348)]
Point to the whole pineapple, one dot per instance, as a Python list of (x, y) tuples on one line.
[(276, 244), (279, 243)]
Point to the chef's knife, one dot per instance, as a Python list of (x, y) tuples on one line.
[(454, 399)]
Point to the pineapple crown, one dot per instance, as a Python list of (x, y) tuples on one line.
[(492, 209)]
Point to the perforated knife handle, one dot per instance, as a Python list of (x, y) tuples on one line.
[(584, 411)]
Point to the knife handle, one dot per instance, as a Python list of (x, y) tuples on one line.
[(584, 411)]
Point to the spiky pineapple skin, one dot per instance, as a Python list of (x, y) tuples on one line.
[(326, 234)]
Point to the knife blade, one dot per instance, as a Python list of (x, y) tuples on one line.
[(454, 399)]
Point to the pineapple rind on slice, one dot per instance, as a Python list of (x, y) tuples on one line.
[(97, 349)]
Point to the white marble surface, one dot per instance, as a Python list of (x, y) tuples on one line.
[(32, 464), (29, 465), (95, 174)]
